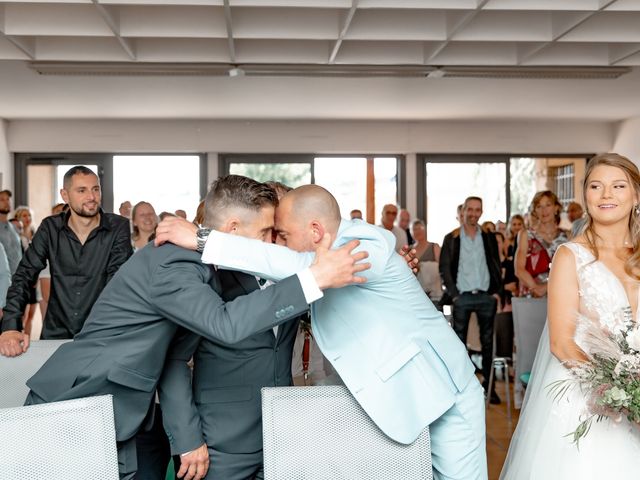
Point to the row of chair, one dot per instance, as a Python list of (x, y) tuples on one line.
[(309, 433), (524, 325)]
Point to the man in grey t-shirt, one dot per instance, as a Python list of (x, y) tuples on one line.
[(8, 236)]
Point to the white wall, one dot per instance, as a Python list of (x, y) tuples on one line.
[(6, 158), (627, 141), (299, 136)]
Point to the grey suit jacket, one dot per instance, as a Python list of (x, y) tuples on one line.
[(134, 323), (226, 383)]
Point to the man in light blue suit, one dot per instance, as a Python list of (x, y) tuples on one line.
[(394, 351)]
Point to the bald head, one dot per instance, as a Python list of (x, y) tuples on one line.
[(305, 215)]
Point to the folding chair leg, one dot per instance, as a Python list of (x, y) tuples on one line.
[(506, 382), (490, 384)]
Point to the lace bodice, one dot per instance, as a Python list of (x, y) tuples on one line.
[(602, 296)]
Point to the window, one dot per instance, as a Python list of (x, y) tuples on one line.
[(168, 182), (562, 181), (345, 176)]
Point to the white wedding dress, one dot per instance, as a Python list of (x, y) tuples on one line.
[(539, 448)]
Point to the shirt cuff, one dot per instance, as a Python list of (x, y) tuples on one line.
[(212, 251), (309, 286)]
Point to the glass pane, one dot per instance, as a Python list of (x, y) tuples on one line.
[(448, 184), (346, 179), (386, 172), (168, 182), (523, 183), (291, 174)]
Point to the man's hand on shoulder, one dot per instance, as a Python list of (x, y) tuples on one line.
[(338, 268), (178, 231), (194, 465), (410, 257), (13, 343)]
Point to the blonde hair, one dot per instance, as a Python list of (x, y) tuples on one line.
[(553, 198), (632, 265)]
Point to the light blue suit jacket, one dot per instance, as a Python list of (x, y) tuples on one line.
[(393, 349)]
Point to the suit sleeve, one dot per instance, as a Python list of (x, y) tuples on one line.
[(180, 291), (24, 279), (5, 276), (179, 413), (444, 265), (121, 249), (265, 260)]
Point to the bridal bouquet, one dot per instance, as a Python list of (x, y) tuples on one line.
[(610, 379)]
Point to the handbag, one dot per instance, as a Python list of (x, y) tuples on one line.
[(538, 260)]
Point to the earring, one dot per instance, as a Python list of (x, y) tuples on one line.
[(636, 209)]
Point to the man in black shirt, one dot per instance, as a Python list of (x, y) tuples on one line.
[(84, 247)]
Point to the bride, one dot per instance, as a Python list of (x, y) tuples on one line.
[(596, 275)]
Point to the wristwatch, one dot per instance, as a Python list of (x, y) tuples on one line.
[(201, 238)]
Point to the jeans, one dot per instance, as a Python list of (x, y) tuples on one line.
[(484, 306)]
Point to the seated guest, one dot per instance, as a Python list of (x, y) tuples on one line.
[(404, 222), (137, 321)]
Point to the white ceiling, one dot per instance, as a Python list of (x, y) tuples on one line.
[(352, 32), (320, 59)]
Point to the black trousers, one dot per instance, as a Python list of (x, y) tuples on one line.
[(484, 306), (152, 450)]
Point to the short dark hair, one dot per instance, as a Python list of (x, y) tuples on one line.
[(78, 169), (6, 192), (236, 191), (469, 199)]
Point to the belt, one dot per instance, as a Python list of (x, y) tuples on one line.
[(474, 292)]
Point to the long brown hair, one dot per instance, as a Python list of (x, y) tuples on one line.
[(632, 265)]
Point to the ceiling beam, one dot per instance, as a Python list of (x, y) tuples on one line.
[(564, 32), (455, 28), (343, 31), (114, 26), (230, 40), (26, 46)]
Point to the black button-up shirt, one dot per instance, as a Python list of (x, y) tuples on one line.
[(78, 272)]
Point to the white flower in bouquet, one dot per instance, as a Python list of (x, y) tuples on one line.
[(633, 339)]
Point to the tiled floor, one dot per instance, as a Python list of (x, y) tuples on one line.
[(499, 432)]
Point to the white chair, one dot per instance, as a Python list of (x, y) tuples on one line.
[(529, 317), (502, 355), (322, 433), (71, 440), (15, 371)]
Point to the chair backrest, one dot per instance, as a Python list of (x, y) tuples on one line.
[(323, 433), (503, 335), (74, 440), (15, 371), (529, 317)]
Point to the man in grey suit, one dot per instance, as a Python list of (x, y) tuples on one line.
[(226, 378), (146, 309)]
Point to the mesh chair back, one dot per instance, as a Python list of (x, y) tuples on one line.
[(71, 440), (15, 371), (323, 433), (529, 317), (503, 330)]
